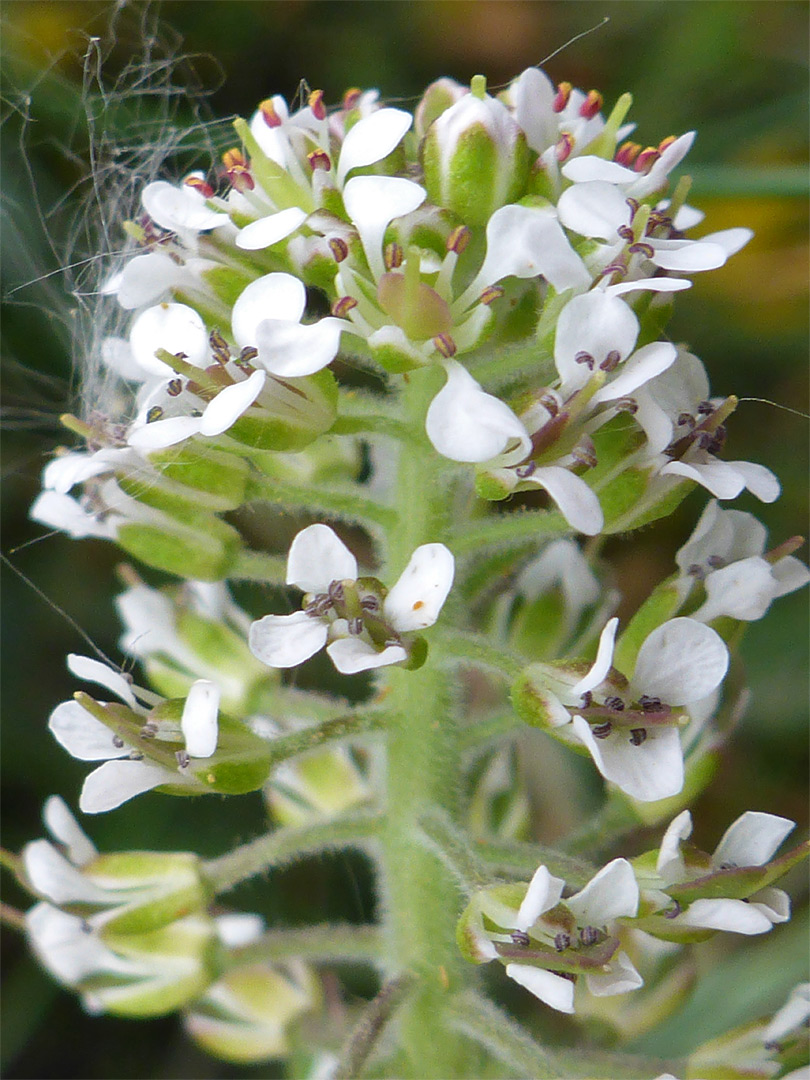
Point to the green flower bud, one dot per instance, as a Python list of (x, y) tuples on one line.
[(316, 786), (244, 1016), (475, 157), (438, 97)]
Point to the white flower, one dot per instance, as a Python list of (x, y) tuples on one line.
[(631, 731), (725, 553), (679, 399), (267, 316), (363, 630), (125, 773), (576, 934), (793, 1014), (750, 841)]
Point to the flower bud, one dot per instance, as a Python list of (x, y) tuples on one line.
[(244, 1016), (316, 786), (475, 158), (438, 97)]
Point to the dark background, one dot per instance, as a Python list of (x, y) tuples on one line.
[(735, 71)]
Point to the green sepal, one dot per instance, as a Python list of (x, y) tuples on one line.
[(219, 476), (494, 484), (205, 552), (494, 906), (396, 359), (170, 883), (546, 329), (417, 654), (537, 628), (740, 882), (660, 606), (290, 428), (227, 283), (533, 700)]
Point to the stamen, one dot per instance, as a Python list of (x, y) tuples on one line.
[(336, 591), (584, 358), (686, 419), (355, 627), (370, 603), (614, 703), (269, 114), (626, 233), (565, 144), (118, 742), (200, 185), (642, 249), (591, 105), (562, 941), (651, 704), (696, 571), (520, 937), (458, 239), (339, 249), (716, 562), (627, 154), (445, 345), (705, 408), (647, 158), (550, 403), (562, 96), (674, 911), (183, 759), (393, 256), (315, 102), (343, 305), (626, 404), (522, 472), (601, 731), (611, 361), (155, 413), (351, 97), (174, 387), (319, 159), (638, 736), (490, 294), (589, 935), (586, 699)]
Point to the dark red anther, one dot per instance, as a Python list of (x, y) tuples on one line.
[(647, 250), (626, 233), (238, 170), (561, 97), (319, 159), (490, 294), (315, 102), (601, 731), (445, 345), (393, 256), (458, 239), (269, 114), (611, 361), (351, 98), (565, 144), (647, 158), (627, 154), (562, 941), (591, 105), (523, 472), (339, 248), (174, 387), (668, 141), (638, 736), (343, 305), (584, 358), (200, 185)]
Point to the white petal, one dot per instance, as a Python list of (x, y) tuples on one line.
[(83, 667), (317, 558), (651, 771), (643, 365), (229, 404), (731, 240), (372, 202), (350, 655), (621, 979), (291, 350), (199, 722), (752, 839), (688, 256), (719, 477), (239, 928), (179, 208), (64, 947), (84, 737), (418, 596), (791, 1016), (656, 284), (670, 865), (655, 179), (578, 503), (525, 242), (159, 434), (789, 574), (587, 168), (601, 666), (274, 296), (176, 328), (114, 782), (773, 903), (269, 230), (53, 877), (146, 278), (682, 660), (64, 827), (466, 424), (283, 641), (371, 139), (610, 894), (543, 893), (58, 511), (743, 590), (597, 324), (759, 480), (594, 209), (654, 421), (551, 989), (733, 915), (67, 470), (533, 96)]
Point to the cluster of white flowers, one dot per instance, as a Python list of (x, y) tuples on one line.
[(569, 219)]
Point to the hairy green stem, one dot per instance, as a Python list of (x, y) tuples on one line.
[(510, 858), (526, 527), (482, 1020), (286, 845), (332, 501), (283, 747), (327, 942), (366, 1034), (259, 566), (420, 894), (475, 650)]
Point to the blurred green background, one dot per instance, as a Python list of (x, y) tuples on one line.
[(735, 71)]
